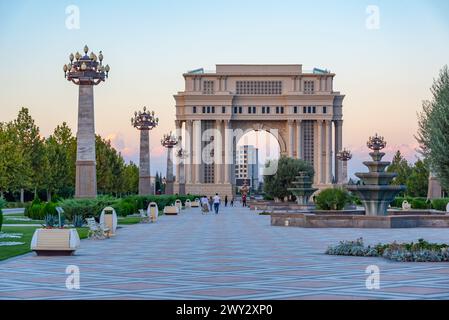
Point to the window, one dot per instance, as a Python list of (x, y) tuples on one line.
[(309, 148), (268, 109), (304, 110), (324, 109), (204, 109), (309, 87), (309, 109), (208, 87), (213, 109), (240, 110), (313, 109), (282, 110), (277, 109), (194, 110), (223, 109), (235, 109), (250, 109), (263, 110), (259, 87), (295, 109), (208, 109)]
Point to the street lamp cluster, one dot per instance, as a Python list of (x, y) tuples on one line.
[(87, 69)]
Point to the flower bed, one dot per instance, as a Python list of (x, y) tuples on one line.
[(421, 251)]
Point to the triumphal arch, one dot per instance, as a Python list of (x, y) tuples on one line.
[(300, 108)]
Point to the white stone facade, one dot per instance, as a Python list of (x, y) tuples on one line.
[(301, 109)]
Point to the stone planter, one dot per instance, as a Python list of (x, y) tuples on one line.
[(171, 210), (55, 242)]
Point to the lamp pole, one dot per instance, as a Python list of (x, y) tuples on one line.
[(344, 156), (169, 141), (86, 71), (144, 122)]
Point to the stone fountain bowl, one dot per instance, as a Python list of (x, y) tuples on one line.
[(376, 178), (377, 166)]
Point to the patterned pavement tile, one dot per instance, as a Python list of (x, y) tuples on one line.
[(235, 255)]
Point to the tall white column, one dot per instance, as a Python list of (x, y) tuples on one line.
[(299, 140), (218, 152), (228, 151), (188, 146), (179, 146), (339, 170), (197, 150), (291, 138), (319, 146), (328, 152)]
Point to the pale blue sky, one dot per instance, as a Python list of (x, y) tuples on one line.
[(149, 44)]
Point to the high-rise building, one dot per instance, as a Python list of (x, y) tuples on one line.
[(247, 166)]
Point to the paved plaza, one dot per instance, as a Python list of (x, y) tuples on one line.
[(235, 255)]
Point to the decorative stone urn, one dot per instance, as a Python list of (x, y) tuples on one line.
[(375, 192)]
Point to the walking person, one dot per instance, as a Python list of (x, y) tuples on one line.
[(211, 203), (217, 201), (204, 205), (244, 200), (226, 201), (232, 202)]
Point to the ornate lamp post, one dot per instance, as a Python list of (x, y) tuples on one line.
[(344, 156), (144, 122), (86, 72), (169, 141)]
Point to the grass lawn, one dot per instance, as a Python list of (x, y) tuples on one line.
[(7, 252), (128, 220), (10, 219)]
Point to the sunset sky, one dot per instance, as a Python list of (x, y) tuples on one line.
[(385, 72)]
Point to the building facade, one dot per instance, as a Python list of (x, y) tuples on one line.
[(301, 109), (247, 166)]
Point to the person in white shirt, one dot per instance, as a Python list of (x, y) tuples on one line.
[(217, 201)]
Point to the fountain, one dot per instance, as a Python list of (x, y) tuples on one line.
[(375, 191), (303, 190)]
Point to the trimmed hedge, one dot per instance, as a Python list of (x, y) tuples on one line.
[(421, 203), (123, 206)]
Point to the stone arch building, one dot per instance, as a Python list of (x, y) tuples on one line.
[(300, 108)]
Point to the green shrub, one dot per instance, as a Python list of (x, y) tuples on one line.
[(332, 199), (440, 204), (420, 203)]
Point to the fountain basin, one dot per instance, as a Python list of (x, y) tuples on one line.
[(376, 178), (376, 198)]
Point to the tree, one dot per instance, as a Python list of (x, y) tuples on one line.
[(401, 167), (13, 170), (433, 128), (418, 181), (60, 150), (276, 185), (131, 178), (32, 148)]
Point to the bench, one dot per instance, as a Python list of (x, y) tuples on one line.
[(96, 231), (171, 210), (55, 242)]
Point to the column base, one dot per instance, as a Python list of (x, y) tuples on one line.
[(86, 180), (179, 188), (145, 188)]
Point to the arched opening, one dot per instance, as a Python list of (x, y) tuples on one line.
[(253, 149)]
